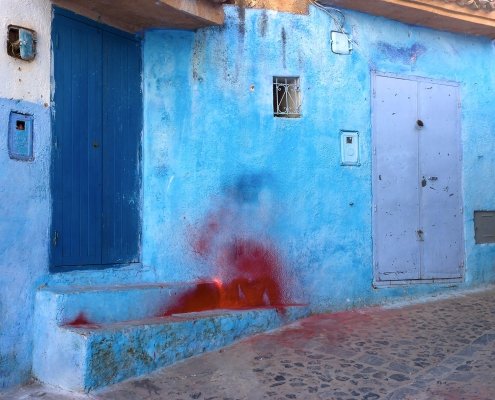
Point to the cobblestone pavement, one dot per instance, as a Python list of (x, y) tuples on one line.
[(434, 350)]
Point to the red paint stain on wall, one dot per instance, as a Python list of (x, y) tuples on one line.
[(252, 279), (247, 269)]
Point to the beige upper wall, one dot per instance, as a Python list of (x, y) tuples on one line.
[(20, 79), (439, 15), (137, 15), (293, 6)]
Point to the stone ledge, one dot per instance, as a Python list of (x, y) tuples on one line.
[(89, 355)]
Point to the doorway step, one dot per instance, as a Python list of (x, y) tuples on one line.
[(88, 338)]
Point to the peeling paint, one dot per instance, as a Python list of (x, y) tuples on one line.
[(284, 47), (405, 55), (263, 23)]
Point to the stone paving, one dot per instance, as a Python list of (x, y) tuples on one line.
[(434, 350)]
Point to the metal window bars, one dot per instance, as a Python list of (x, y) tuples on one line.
[(286, 97)]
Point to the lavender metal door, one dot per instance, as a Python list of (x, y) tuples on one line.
[(440, 176), (418, 232), (396, 208)]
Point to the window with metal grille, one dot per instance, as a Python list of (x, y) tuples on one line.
[(286, 97)]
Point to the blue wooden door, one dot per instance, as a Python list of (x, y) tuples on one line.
[(96, 151), (121, 149)]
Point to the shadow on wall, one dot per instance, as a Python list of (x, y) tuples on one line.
[(236, 241)]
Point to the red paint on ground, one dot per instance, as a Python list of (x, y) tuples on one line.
[(331, 330), (81, 321), (455, 391)]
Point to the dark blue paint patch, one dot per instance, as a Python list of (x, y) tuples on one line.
[(404, 55), (284, 47), (263, 23), (198, 57), (241, 12), (247, 187)]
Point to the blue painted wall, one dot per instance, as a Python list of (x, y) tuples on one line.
[(24, 227), (209, 127), (214, 152)]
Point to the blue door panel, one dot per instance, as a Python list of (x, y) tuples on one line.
[(97, 131), (122, 127), (77, 125)]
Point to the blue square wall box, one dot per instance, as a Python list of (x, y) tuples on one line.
[(21, 137)]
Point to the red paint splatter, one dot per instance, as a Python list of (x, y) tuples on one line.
[(81, 321), (205, 296), (211, 230), (247, 270), (251, 280)]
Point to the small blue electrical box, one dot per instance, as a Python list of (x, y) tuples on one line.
[(21, 137), (26, 39)]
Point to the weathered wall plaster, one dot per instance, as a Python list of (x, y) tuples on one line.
[(29, 81), (24, 229), (24, 189), (209, 126)]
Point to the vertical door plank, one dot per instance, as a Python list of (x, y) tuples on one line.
[(122, 124), (395, 185), (441, 189), (77, 124)]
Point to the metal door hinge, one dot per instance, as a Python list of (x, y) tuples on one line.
[(55, 239)]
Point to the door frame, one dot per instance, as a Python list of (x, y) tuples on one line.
[(138, 38), (380, 283)]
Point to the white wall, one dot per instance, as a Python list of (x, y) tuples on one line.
[(19, 79)]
